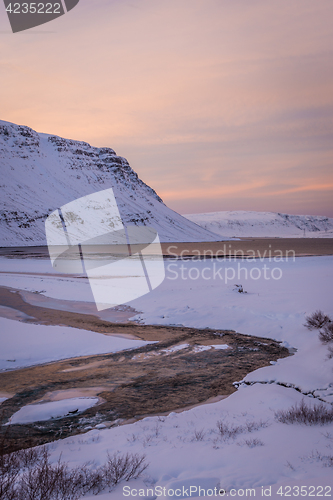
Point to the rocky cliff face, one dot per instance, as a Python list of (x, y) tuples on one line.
[(40, 173)]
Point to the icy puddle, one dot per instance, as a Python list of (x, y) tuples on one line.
[(180, 347), (52, 410), (202, 348)]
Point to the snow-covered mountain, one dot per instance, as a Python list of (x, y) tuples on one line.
[(40, 173), (264, 224)]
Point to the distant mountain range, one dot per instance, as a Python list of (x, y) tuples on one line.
[(264, 224), (41, 172)]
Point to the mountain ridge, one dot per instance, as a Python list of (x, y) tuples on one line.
[(41, 172), (235, 224)]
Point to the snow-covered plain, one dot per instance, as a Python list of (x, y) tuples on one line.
[(186, 449), (264, 224), (27, 344)]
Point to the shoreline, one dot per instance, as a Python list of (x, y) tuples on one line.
[(152, 380), (243, 247)]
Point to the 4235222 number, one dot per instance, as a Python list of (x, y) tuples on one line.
[(34, 8), (305, 491)]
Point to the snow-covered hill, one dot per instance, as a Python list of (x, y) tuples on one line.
[(40, 173), (264, 224)]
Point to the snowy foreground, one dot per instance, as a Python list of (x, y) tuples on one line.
[(264, 224), (186, 450)]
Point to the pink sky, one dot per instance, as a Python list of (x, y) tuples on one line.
[(217, 104)]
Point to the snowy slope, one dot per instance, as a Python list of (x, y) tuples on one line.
[(40, 173), (264, 224)]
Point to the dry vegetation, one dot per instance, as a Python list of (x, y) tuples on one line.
[(324, 324), (29, 475), (301, 413), (227, 431), (326, 334), (316, 320)]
